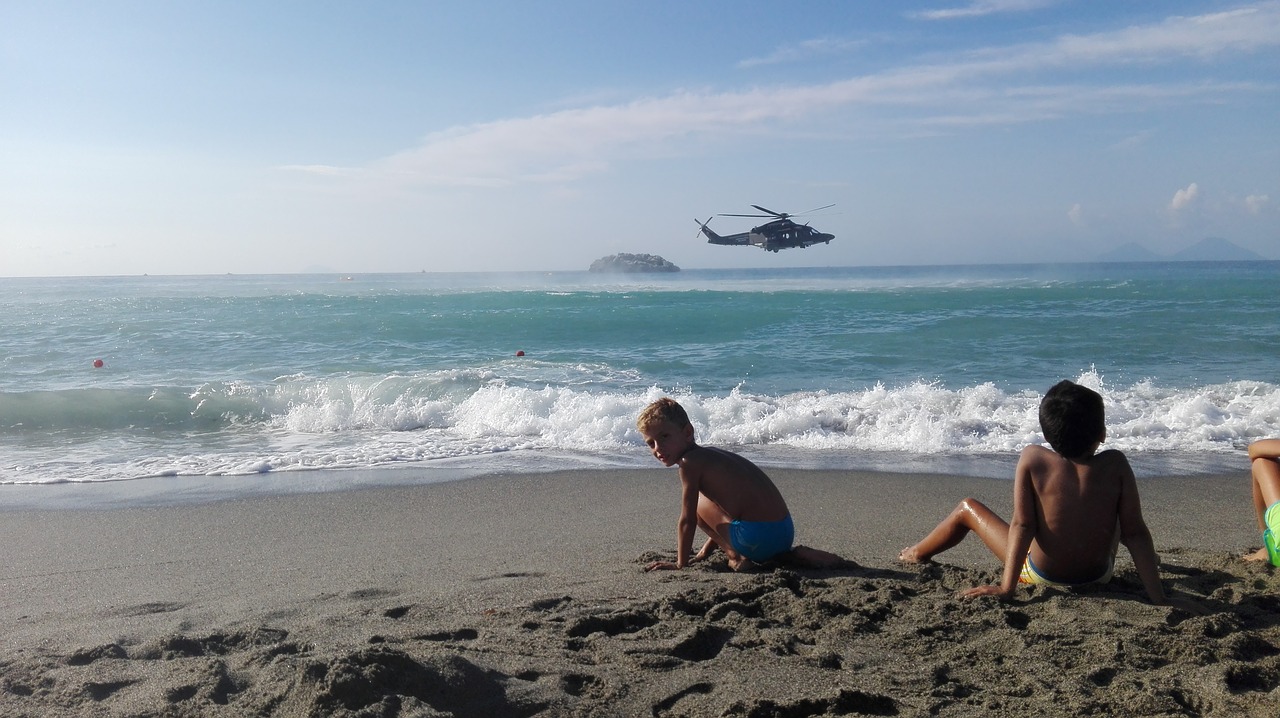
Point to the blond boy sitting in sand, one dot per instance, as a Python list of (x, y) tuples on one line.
[(1264, 460), (1067, 505), (734, 503)]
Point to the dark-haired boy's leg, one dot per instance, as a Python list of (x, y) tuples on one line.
[(969, 515)]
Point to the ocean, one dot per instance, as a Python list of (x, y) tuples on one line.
[(318, 379)]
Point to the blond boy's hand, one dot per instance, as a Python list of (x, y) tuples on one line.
[(996, 591), (1188, 605), (662, 566)]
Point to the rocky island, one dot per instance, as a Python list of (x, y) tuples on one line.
[(633, 263)]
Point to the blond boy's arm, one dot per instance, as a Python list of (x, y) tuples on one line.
[(688, 523), (686, 526), (1136, 537)]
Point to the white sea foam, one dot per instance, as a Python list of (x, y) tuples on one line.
[(355, 422)]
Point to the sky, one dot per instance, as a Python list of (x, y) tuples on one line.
[(195, 137)]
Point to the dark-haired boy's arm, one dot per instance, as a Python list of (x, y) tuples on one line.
[(1022, 530), (1136, 537)]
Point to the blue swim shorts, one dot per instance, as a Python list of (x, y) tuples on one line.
[(762, 540)]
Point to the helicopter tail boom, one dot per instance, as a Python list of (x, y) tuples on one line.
[(713, 238)]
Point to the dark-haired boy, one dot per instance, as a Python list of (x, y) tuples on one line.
[(1067, 505), (731, 499)]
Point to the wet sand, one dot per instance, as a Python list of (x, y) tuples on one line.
[(525, 595)]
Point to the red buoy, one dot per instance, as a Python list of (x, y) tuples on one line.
[(97, 363), (520, 353)]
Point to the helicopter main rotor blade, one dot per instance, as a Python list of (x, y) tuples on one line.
[(779, 215), (746, 215), (819, 208)]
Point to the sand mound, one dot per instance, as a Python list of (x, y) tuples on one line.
[(889, 641)]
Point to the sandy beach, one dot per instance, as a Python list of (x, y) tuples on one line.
[(525, 595)]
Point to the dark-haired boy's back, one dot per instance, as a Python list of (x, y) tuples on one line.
[(1076, 506), (1071, 506)]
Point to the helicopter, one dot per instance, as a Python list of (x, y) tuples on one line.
[(778, 234)]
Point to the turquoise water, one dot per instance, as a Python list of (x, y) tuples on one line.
[(893, 368)]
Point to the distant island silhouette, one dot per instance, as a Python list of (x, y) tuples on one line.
[(631, 263), (1209, 249)]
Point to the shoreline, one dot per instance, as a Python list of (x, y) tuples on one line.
[(172, 491), (177, 490), (524, 594)]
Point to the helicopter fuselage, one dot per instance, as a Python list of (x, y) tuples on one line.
[(771, 236), (785, 234)]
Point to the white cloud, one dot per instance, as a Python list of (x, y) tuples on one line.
[(982, 7), (1011, 106), (1184, 197), (967, 90), (1076, 214), (572, 143), (1202, 36), (1255, 202), (316, 169), (1133, 141), (801, 51)]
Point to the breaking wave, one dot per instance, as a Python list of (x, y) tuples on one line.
[(365, 421)]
